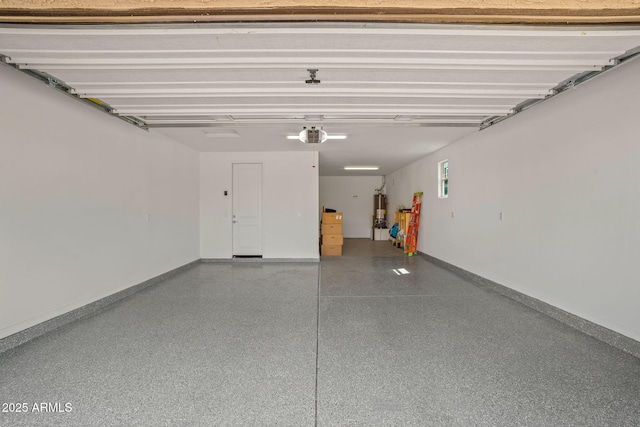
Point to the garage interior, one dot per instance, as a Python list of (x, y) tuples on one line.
[(128, 296)]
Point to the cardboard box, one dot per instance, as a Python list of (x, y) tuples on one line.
[(332, 217), (331, 229), (331, 250), (332, 239)]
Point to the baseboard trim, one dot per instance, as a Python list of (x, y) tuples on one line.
[(40, 329), (587, 327), (261, 260)]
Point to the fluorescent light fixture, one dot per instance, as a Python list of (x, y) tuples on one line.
[(361, 168), (336, 136)]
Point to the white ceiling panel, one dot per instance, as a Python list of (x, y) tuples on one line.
[(397, 91)]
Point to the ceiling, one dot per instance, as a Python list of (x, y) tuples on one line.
[(397, 91)]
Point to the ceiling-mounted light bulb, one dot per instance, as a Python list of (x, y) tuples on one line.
[(302, 136)]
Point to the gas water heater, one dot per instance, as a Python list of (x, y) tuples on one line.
[(380, 211)]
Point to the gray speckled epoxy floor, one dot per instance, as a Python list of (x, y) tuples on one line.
[(241, 344)]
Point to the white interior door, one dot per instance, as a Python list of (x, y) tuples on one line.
[(247, 209)]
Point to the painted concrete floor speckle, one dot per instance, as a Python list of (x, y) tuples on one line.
[(346, 342)]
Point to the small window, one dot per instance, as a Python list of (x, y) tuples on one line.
[(443, 179)]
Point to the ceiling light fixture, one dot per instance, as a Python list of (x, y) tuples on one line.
[(361, 168), (313, 135)]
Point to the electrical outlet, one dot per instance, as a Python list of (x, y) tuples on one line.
[(500, 216), (453, 215)]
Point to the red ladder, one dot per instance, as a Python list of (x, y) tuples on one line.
[(411, 247)]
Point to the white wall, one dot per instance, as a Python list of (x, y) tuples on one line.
[(566, 175), (353, 196), (289, 204), (89, 205)]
